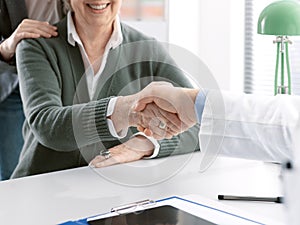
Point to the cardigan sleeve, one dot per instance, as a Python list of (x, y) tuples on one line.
[(56, 125)]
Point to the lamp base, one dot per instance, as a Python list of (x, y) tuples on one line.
[(282, 90)]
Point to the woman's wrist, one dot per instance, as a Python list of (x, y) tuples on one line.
[(142, 144), (122, 116)]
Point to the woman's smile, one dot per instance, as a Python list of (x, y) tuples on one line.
[(98, 7)]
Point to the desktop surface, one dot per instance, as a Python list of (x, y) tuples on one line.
[(82, 192)]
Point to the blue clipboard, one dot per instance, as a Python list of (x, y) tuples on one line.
[(148, 204)]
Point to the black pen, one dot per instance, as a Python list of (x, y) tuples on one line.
[(251, 198)]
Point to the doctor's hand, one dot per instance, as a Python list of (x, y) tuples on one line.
[(27, 29), (178, 101), (134, 149), (163, 124)]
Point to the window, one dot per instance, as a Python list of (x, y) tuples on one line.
[(260, 54), (148, 16), (143, 10)]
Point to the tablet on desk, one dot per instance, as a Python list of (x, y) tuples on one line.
[(172, 211), (162, 215)]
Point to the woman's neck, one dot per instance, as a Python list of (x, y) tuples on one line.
[(94, 40)]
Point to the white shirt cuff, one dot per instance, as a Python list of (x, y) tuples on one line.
[(111, 127), (153, 141)]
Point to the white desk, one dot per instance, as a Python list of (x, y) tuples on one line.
[(79, 193)]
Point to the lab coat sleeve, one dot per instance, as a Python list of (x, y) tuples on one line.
[(249, 126)]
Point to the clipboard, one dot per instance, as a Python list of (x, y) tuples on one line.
[(187, 210)]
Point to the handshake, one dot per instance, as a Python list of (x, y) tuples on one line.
[(159, 110)]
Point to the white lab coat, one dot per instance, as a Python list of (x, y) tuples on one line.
[(255, 127), (250, 126)]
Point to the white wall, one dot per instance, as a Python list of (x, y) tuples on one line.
[(237, 38), (156, 29), (213, 30), (184, 26), (214, 39)]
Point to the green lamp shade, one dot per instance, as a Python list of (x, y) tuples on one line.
[(280, 18)]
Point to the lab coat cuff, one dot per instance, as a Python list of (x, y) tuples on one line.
[(199, 104)]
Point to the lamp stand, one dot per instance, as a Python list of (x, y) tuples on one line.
[(283, 54)]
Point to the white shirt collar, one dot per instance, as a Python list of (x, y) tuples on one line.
[(115, 40)]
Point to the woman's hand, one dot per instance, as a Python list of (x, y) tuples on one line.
[(152, 118), (172, 100), (27, 29), (158, 122), (134, 149)]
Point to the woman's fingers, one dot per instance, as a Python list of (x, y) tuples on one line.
[(27, 29), (33, 27), (158, 123), (132, 150)]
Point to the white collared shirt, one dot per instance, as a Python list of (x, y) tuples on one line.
[(92, 79), (93, 76)]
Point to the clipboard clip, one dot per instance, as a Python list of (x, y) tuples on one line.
[(132, 206)]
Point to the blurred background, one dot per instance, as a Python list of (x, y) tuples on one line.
[(222, 33)]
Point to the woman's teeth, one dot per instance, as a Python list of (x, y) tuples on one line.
[(98, 7)]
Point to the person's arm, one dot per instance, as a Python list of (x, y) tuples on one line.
[(174, 100), (134, 149), (139, 145), (58, 125), (250, 126), (63, 126), (27, 29), (236, 125), (125, 116), (166, 70)]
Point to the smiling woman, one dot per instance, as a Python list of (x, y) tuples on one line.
[(94, 21), (69, 86)]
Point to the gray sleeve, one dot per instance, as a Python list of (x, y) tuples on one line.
[(186, 142), (55, 125)]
